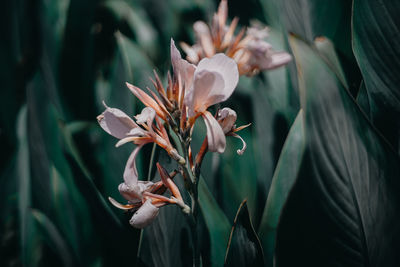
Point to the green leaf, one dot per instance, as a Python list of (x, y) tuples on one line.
[(217, 224), (328, 54), (53, 238), (244, 248), (282, 182), (345, 202), (376, 41)]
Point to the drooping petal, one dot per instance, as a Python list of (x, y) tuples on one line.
[(116, 122), (181, 67), (119, 205), (227, 118), (215, 134), (144, 215), (227, 70), (130, 172)]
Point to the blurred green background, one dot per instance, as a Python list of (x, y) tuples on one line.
[(60, 59)]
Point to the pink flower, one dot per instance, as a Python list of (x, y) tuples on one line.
[(211, 82), (145, 197), (249, 49)]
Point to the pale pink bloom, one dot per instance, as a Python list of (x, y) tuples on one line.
[(118, 124), (248, 48), (211, 82), (145, 197), (226, 117)]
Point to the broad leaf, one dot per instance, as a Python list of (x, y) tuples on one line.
[(376, 41), (244, 248), (344, 207), (284, 177)]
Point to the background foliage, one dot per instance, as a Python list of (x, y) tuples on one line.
[(320, 175)]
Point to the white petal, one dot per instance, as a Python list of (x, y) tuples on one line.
[(279, 59), (227, 69), (204, 36), (144, 215), (146, 116), (131, 173), (116, 122), (215, 134), (181, 67), (227, 118), (198, 99)]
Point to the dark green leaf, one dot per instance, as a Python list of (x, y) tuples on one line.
[(376, 42), (343, 208), (53, 238), (217, 224), (244, 248), (284, 177)]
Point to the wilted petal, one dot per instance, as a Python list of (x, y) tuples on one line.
[(227, 118), (144, 215), (181, 67), (240, 151), (146, 116), (215, 134), (115, 122), (227, 70), (131, 173), (134, 193)]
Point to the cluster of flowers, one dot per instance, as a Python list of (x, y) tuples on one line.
[(191, 90), (248, 48)]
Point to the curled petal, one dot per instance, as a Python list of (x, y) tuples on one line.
[(240, 151), (119, 205), (130, 172), (144, 215), (215, 134), (146, 116), (227, 118), (116, 122)]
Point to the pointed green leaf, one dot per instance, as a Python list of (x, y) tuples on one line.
[(244, 248), (284, 177)]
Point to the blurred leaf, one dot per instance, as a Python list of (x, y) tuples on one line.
[(53, 237), (327, 51), (284, 177), (345, 201), (244, 248), (29, 242), (217, 224), (376, 41), (138, 23)]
